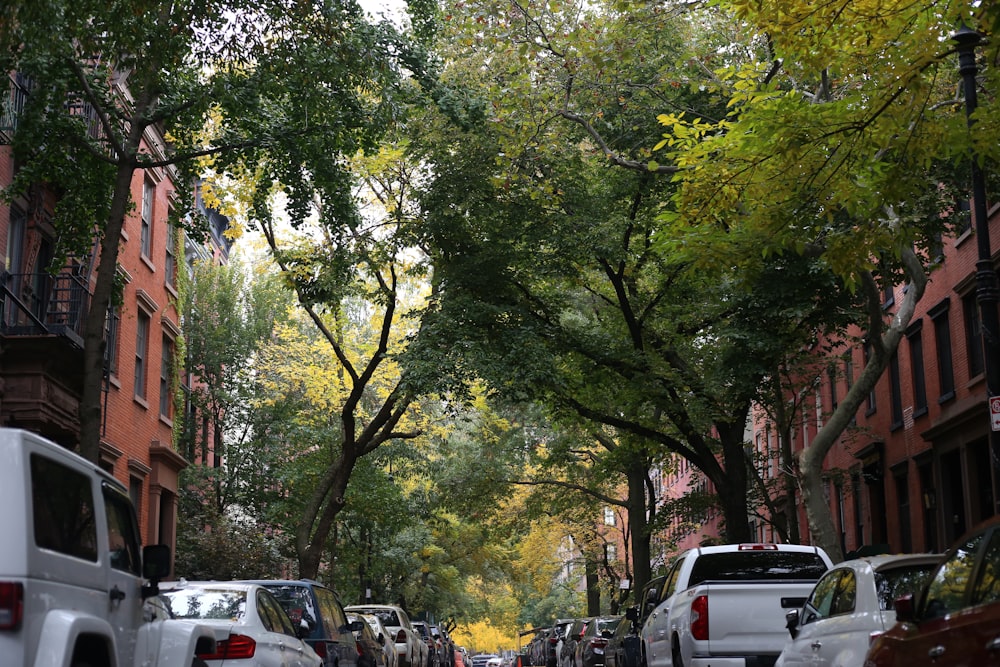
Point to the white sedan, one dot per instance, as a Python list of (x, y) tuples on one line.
[(849, 606), (251, 628)]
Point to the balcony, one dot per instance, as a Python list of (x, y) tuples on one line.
[(42, 304), (41, 342), (11, 106)]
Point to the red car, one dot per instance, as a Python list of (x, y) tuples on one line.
[(955, 619)]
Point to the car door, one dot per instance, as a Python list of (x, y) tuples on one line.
[(982, 619), (941, 635), (799, 651), (285, 648), (656, 632), (843, 637)]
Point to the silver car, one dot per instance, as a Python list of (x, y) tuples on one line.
[(849, 606)]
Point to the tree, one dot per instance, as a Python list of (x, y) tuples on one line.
[(215, 79), (839, 143)]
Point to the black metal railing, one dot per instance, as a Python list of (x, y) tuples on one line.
[(11, 106), (44, 304)]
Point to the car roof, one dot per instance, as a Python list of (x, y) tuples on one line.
[(890, 561), (180, 584)]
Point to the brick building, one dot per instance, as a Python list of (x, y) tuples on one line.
[(41, 325)]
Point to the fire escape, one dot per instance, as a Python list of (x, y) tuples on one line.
[(42, 316)]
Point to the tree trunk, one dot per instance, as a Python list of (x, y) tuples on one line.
[(884, 345), (639, 534), (593, 588)]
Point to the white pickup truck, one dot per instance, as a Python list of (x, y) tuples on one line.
[(73, 577), (724, 606)]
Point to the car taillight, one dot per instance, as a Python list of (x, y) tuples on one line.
[(401, 636), (320, 648), (11, 605), (553, 640), (699, 617), (237, 647), (357, 645), (598, 641), (758, 547), (873, 635)]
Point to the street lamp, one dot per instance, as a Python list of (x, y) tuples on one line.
[(987, 291)]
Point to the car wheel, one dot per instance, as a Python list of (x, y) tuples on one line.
[(675, 654)]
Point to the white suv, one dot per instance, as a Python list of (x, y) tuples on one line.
[(71, 568)]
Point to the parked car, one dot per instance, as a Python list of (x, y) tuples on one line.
[(424, 630), (567, 657), (538, 647), (250, 626), (411, 651), (317, 606), (384, 637), (76, 586), (480, 659), (955, 618), (593, 641), (849, 606), (624, 647), (555, 643), (370, 650)]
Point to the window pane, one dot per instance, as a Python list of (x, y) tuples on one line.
[(63, 508)]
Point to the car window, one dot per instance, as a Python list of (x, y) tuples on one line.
[(899, 581), (987, 588), (63, 506), (820, 601), (331, 612), (671, 582), (123, 533), (206, 603), (846, 595), (756, 566), (277, 619), (946, 590)]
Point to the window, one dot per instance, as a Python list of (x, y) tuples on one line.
[(170, 263), (135, 493), (111, 327), (62, 505), (973, 334), (914, 336), (895, 392), (611, 552), (141, 350), (831, 374), (146, 237), (166, 373), (609, 516), (872, 406), (942, 340), (15, 240)]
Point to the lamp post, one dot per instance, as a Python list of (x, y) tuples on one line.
[(987, 291)]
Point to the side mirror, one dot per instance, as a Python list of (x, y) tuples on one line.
[(632, 613), (155, 566), (303, 630), (792, 622), (904, 609), (353, 626), (607, 634), (380, 638)]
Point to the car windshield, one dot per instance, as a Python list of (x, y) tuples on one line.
[(900, 581), (207, 603), (757, 565)]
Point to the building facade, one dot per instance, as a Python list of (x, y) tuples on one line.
[(42, 311)]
